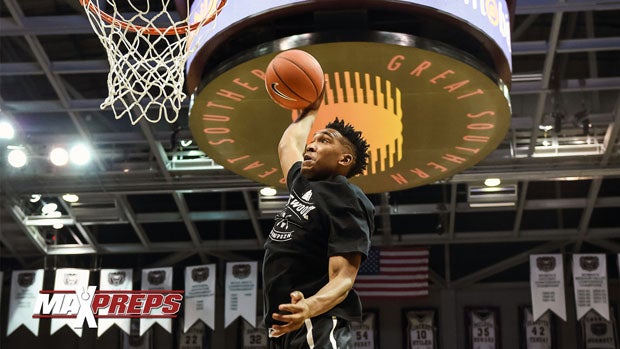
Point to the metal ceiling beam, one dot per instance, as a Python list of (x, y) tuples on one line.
[(131, 217), (592, 62), (131, 185), (55, 106), (554, 34), (171, 259), (403, 209), (62, 24), (45, 25), (452, 211), (252, 214), (606, 244), (521, 48), (518, 88), (156, 149), (71, 249), (552, 6), (611, 138), (522, 28), (534, 174), (90, 239), (385, 227), (415, 237), (220, 215), (79, 24), (189, 224), (9, 246), (584, 223), (222, 248), (506, 264), (109, 183), (31, 232), (610, 142), (520, 208), (435, 278), (447, 266)]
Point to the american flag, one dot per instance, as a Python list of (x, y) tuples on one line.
[(393, 273)]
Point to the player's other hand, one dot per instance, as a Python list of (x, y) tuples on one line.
[(292, 315)]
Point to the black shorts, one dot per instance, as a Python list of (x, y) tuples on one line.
[(318, 333)]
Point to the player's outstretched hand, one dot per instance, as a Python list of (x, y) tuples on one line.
[(314, 107)]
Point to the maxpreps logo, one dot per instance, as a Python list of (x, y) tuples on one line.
[(88, 304), (426, 115)]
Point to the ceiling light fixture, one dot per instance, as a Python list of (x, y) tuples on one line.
[(6, 130), (79, 154), (55, 214), (35, 198), (71, 198), (492, 182), (59, 156), (58, 226), (545, 128), (49, 207), (492, 204), (17, 158), (268, 191)]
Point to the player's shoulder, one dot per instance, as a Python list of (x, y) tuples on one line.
[(293, 172), (336, 188)]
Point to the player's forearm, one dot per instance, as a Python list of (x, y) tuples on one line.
[(294, 137), (332, 294)]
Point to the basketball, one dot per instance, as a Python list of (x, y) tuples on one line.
[(294, 79)]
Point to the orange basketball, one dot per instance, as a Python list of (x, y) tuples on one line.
[(294, 79)]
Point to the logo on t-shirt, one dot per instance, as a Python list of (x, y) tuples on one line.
[(307, 195), (301, 206), (296, 210)]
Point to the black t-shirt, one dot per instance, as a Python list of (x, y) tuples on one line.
[(321, 219)]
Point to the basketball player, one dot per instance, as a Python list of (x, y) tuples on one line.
[(318, 241)]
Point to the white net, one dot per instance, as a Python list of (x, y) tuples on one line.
[(147, 52)]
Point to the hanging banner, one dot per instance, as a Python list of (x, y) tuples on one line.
[(199, 295), (590, 282), (255, 337), (25, 287), (597, 332), (133, 340), (537, 333), (547, 285), (483, 328), (156, 279), (364, 332), (240, 292), (194, 336), (70, 280), (421, 331), (114, 280)]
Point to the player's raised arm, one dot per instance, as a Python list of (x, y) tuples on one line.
[(293, 141)]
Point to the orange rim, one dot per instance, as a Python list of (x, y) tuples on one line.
[(149, 30)]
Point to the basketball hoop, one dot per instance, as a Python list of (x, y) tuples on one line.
[(147, 54)]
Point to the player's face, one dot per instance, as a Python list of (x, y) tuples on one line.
[(326, 155)]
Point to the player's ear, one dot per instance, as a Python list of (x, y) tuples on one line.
[(346, 160)]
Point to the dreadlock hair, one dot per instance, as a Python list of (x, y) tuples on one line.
[(360, 146)]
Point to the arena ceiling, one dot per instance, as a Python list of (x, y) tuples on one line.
[(148, 201)]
